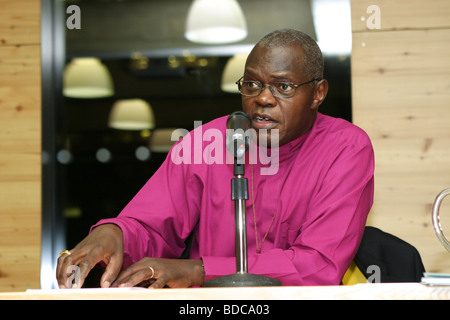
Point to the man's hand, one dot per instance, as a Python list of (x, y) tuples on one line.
[(103, 244), (158, 273)]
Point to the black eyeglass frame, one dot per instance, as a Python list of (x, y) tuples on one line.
[(263, 86)]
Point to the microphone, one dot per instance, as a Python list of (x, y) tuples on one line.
[(237, 142)]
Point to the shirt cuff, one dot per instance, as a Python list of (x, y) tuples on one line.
[(218, 266)]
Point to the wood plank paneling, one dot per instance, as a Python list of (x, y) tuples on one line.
[(20, 145), (20, 111), (19, 23), (401, 98), (402, 14)]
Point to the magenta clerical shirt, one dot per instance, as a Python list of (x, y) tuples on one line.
[(313, 209)]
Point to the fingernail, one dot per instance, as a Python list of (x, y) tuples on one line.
[(106, 284)]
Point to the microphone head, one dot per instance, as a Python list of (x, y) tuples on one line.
[(239, 120), (237, 141)]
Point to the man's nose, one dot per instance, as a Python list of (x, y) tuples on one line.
[(266, 97)]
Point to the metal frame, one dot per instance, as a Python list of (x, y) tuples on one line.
[(52, 64)]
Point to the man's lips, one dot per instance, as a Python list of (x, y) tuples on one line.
[(263, 121)]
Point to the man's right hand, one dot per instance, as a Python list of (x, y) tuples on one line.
[(103, 244)]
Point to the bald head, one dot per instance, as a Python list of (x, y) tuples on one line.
[(312, 55)]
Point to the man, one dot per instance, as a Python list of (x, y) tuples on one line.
[(305, 222)]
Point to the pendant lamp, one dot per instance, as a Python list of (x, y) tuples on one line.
[(215, 22), (163, 139), (234, 69), (131, 114), (87, 78)]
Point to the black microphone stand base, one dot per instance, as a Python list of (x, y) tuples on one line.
[(242, 280)]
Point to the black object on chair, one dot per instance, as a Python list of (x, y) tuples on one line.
[(397, 260)]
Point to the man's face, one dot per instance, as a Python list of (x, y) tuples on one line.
[(292, 116)]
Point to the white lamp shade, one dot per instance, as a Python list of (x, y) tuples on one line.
[(161, 139), (87, 78), (131, 114), (234, 69), (215, 22)]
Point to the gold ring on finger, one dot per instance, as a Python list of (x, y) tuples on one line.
[(65, 252), (153, 272)]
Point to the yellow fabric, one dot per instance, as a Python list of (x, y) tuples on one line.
[(353, 275)]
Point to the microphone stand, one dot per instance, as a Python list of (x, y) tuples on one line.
[(239, 193)]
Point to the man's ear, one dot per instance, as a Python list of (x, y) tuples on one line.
[(320, 93)]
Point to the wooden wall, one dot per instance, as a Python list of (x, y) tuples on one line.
[(20, 145), (401, 97)]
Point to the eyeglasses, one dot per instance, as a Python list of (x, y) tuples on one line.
[(278, 89)]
